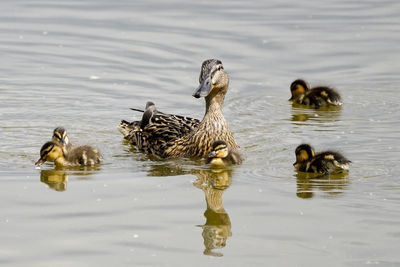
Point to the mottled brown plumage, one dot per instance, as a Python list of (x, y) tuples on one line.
[(167, 135)]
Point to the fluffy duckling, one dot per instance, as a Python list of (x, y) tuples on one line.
[(324, 162), (78, 156), (221, 155), (316, 97), (61, 138)]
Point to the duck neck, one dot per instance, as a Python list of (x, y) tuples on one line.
[(214, 103), (61, 161)]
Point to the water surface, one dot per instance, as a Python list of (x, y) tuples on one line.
[(82, 65)]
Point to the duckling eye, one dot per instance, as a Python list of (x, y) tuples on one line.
[(220, 148)]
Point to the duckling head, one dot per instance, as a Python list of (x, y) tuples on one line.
[(60, 136), (50, 151), (298, 88), (219, 152), (304, 153), (213, 79)]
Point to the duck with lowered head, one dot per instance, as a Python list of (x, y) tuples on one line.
[(327, 162), (321, 96), (84, 155)]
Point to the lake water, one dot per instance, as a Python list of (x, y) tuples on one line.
[(83, 64)]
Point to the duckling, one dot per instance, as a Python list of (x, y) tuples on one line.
[(78, 156), (61, 138), (327, 162), (168, 136), (316, 97), (221, 155)]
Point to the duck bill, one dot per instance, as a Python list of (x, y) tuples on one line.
[(40, 162), (62, 141), (211, 154), (203, 90)]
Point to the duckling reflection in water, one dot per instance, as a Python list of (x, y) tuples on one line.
[(316, 97), (217, 227), (328, 162), (308, 184), (221, 155), (55, 179), (61, 138), (79, 156)]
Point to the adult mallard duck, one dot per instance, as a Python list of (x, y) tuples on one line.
[(84, 155), (315, 97), (221, 155), (166, 135), (324, 162)]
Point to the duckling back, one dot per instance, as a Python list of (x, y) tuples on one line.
[(321, 96), (329, 162), (84, 155)]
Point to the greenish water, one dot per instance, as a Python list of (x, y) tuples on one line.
[(82, 65)]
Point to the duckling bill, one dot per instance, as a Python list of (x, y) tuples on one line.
[(79, 156), (327, 162), (221, 155), (317, 97)]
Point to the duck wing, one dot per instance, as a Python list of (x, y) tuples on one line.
[(156, 129)]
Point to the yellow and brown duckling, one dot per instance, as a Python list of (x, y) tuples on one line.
[(328, 162), (61, 138), (221, 155), (316, 97), (78, 156), (168, 136)]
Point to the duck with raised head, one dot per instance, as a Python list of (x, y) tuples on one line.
[(61, 138), (221, 155), (84, 155), (327, 162), (169, 136), (320, 96)]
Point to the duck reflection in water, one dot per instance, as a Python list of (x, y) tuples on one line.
[(308, 184), (213, 182), (324, 114), (217, 227), (55, 179)]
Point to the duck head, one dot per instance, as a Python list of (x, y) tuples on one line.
[(297, 88), (304, 152), (60, 136), (50, 151), (219, 150), (213, 78)]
